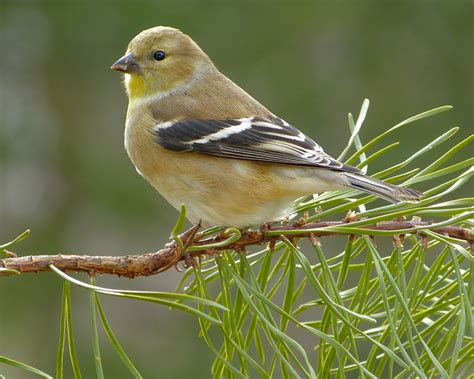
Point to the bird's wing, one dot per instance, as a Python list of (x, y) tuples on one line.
[(254, 138)]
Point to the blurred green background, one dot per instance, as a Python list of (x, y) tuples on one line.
[(64, 172)]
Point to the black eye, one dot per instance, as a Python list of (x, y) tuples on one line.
[(159, 55)]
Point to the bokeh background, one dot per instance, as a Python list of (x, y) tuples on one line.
[(64, 172)]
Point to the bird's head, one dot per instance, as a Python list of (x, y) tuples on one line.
[(161, 60)]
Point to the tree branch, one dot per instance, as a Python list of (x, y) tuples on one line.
[(153, 263)]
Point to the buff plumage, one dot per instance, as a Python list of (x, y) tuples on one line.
[(202, 141)]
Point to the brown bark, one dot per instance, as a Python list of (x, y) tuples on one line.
[(153, 263)]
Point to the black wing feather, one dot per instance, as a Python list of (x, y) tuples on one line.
[(256, 139)]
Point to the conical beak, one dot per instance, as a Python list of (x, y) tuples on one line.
[(127, 64)]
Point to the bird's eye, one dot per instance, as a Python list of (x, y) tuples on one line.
[(159, 55)]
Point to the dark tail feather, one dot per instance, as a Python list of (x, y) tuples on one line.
[(382, 189)]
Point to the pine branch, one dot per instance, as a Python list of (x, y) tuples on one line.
[(154, 263)]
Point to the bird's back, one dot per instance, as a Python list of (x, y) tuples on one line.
[(211, 97)]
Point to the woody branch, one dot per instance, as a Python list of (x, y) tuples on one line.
[(153, 263)]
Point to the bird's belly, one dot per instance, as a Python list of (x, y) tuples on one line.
[(223, 192), (230, 210)]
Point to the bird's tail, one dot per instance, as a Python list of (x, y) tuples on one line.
[(382, 189)]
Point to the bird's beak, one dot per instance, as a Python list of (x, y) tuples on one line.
[(127, 64)]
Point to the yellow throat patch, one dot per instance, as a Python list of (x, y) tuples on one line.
[(135, 86)]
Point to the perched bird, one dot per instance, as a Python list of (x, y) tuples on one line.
[(202, 141)]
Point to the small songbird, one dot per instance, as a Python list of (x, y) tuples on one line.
[(202, 141)]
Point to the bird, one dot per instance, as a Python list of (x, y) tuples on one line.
[(202, 141)]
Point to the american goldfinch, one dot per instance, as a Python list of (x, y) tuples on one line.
[(202, 141)]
